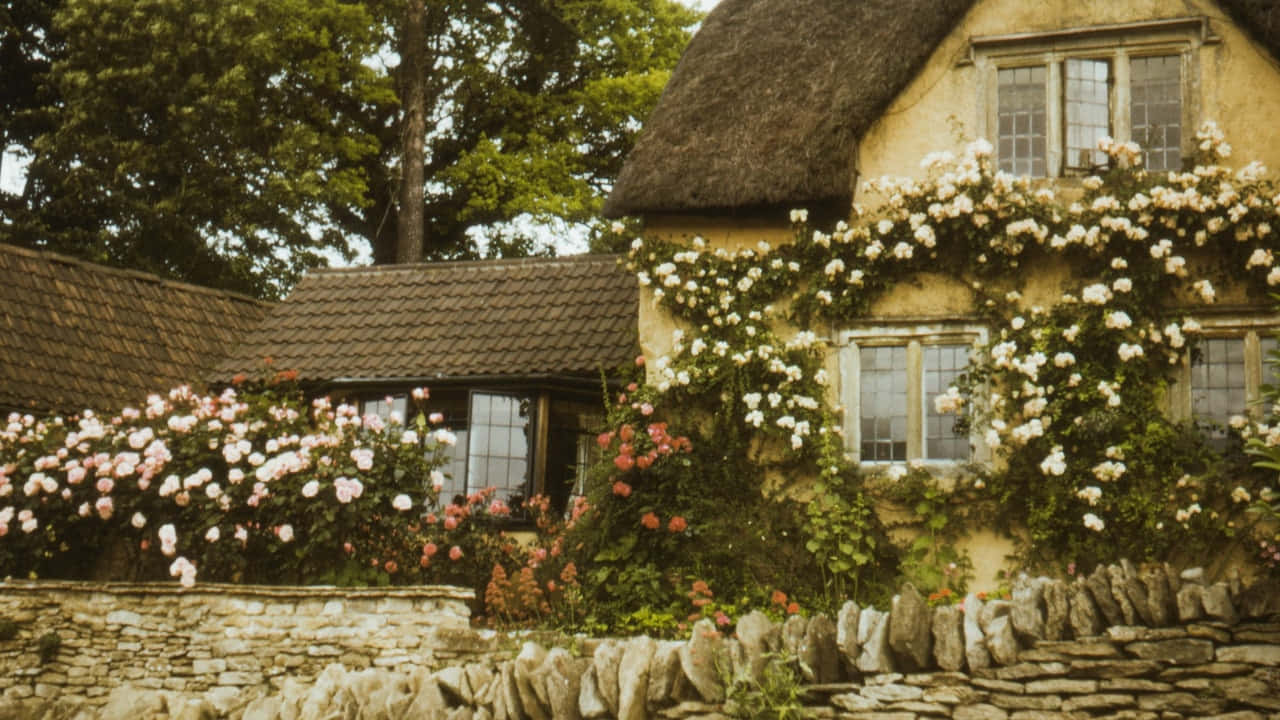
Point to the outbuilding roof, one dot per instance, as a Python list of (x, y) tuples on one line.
[(768, 102), (523, 318), (76, 335)]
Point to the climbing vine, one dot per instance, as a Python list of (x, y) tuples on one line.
[(1067, 395)]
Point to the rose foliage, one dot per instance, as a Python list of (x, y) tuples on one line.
[(251, 485)]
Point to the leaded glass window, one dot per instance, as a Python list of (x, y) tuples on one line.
[(942, 365), (1021, 116), (1156, 109), (883, 402), (1087, 95), (1218, 383), (498, 445)]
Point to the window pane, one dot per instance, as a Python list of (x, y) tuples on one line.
[(1021, 120), (1088, 111), (499, 442), (1218, 385), (883, 402), (1270, 368), (942, 365), (1156, 109)]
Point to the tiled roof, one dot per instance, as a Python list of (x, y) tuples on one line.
[(76, 335), (520, 318)]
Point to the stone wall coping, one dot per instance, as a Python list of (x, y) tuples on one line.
[(448, 592)]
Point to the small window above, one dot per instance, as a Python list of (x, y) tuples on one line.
[(1046, 99)]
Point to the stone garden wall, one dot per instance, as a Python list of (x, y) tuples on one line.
[(1124, 643), (221, 639)]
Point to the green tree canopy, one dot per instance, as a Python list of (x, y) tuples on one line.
[(234, 144), (202, 141), (531, 106)]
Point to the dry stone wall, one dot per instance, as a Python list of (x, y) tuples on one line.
[(220, 639), (1149, 644)]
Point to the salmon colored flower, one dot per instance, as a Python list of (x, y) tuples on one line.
[(621, 489), (650, 521), (677, 524)]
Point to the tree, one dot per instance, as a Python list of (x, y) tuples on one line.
[(203, 141), (27, 42), (234, 144), (530, 107)]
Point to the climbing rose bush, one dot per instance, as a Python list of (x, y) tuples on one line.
[(1066, 394), (252, 484)]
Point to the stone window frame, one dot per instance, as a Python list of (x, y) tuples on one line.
[(915, 335), (1254, 327), (1116, 43)]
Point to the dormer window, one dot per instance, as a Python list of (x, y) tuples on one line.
[(1050, 97)]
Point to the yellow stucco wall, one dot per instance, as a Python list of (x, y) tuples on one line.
[(1238, 87), (941, 109)]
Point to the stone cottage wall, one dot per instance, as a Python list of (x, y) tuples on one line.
[(1149, 644), (213, 637)]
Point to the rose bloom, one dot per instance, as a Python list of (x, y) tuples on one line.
[(213, 534), (455, 553), (650, 521), (621, 489), (285, 533), (624, 462), (677, 524), (401, 502), (310, 489), (429, 549), (138, 520), (450, 522)]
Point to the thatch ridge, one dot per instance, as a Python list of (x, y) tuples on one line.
[(767, 104)]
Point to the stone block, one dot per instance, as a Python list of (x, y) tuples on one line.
[(1025, 702), (1188, 651), (208, 667), (1064, 686), (239, 678), (891, 692), (910, 630), (1181, 702), (124, 617), (1252, 654), (980, 711)]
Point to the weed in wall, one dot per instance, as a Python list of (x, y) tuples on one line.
[(50, 642)]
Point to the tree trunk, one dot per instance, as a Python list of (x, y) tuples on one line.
[(410, 242)]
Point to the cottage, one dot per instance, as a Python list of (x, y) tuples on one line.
[(76, 335), (513, 353), (779, 104)]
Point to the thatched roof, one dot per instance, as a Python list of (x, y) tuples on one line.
[(767, 104)]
